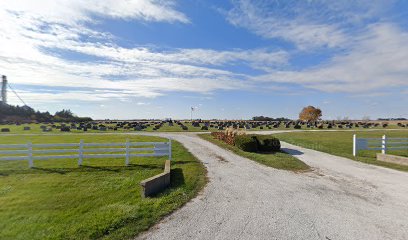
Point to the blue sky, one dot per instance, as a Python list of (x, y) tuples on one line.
[(230, 59)]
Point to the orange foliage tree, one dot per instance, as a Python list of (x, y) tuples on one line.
[(310, 114)]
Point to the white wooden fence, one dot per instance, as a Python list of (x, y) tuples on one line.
[(81, 150), (384, 144)]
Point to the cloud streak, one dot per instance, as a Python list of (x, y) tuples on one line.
[(377, 62), (306, 24)]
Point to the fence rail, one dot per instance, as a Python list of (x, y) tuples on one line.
[(81, 150), (384, 144)]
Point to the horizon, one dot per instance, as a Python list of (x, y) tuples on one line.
[(152, 59)]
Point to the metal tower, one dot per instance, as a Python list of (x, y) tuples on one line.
[(4, 90)]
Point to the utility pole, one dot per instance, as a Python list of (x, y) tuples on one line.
[(4, 90)]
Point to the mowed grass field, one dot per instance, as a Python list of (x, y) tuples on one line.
[(99, 200), (35, 128), (279, 160), (341, 144)]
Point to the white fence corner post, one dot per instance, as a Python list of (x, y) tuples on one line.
[(384, 145), (127, 152), (354, 145), (170, 149), (81, 152), (30, 155)]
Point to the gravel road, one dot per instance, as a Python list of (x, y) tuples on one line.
[(338, 199)]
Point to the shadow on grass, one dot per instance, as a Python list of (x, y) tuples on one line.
[(292, 151), (51, 170), (140, 166), (176, 181), (100, 168), (176, 178), (83, 168), (181, 162)]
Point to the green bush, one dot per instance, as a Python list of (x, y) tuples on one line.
[(268, 143), (255, 143), (247, 143)]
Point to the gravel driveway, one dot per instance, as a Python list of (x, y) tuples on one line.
[(339, 199)]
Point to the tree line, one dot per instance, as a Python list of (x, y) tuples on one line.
[(262, 118), (10, 113)]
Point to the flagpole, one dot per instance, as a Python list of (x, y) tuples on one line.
[(191, 114)]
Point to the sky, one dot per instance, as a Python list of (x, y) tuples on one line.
[(229, 59)]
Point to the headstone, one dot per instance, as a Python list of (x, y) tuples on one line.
[(65, 129)]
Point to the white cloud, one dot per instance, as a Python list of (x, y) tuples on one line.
[(71, 12), (307, 24), (142, 103), (270, 20), (377, 62), (41, 97)]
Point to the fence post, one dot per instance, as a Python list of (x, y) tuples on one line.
[(354, 145), (127, 152), (170, 149), (30, 155), (384, 145), (81, 152)]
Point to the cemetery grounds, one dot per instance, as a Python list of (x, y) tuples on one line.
[(101, 199), (213, 126)]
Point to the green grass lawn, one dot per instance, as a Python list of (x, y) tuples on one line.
[(279, 160), (341, 144), (100, 200)]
